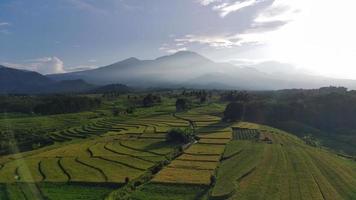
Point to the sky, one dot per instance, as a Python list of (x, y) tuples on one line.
[(59, 36)]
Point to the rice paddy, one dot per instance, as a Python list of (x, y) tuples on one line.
[(227, 161)]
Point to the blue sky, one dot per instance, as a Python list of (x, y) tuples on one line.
[(53, 36)]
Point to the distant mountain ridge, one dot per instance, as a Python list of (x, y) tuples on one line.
[(16, 81), (21, 81), (182, 69), (186, 68)]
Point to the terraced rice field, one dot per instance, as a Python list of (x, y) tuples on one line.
[(245, 134), (228, 161), (128, 149), (286, 169), (198, 162)]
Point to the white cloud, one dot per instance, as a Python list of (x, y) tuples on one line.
[(86, 6), (45, 65), (172, 50), (280, 10), (49, 65), (219, 41), (3, 30), (208, 2), (225, 7), (81, 68), (4, 23)]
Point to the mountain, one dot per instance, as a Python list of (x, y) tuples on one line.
[(189, 69), (17, 81), (21, 81), (69, 86), (171, 70), (111, 88)]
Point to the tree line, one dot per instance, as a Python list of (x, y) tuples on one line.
[(45, 105)]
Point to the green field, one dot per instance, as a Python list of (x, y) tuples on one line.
[(127, 157)]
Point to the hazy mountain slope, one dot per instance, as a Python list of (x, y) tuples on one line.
[(69, 86), (21, 81), (112, 88), (193, 70)]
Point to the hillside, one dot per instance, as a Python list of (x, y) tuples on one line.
[(21, 81), (15, 81), (128, 158), (190, 69)]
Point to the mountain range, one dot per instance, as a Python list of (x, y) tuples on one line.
[(182, 69)]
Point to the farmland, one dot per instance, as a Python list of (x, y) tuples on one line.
[(128, 157)]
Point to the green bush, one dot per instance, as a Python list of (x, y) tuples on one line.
[(233, 111), (177, 135)]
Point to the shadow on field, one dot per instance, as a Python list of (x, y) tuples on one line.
[(156, 145), (215, 127)]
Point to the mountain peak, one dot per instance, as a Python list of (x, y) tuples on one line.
[(130, 60), (124, 63), (185, 55)]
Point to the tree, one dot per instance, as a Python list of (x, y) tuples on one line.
[(150, 100), (233, 111), (177, 135), (181, 105)]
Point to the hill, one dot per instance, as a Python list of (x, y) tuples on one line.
[(15, 81), (111, 88), (190, 69), (21, 81)]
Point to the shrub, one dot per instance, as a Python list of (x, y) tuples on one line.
[(233, 111), (181, 105), (177, 135), (151, 100)]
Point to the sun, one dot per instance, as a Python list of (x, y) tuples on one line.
[(321, 38)]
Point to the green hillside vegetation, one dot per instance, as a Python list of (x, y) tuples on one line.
[(98, 155)]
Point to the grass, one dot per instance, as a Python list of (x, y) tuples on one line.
[(286, 169), (205, 149), (68, 192), (183, 176), (155, 191), (206, 158)]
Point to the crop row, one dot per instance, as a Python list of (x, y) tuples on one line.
[(245, 134), (196, 165), (91, 161)]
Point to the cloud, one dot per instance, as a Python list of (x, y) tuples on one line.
[(4, 24), (3, 30), (49, 65), (81, 68), (45, 65), (172, 49), (87, 6), (279, 10), (217, 41), (208, 2), (264, 22), (225, 7)]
